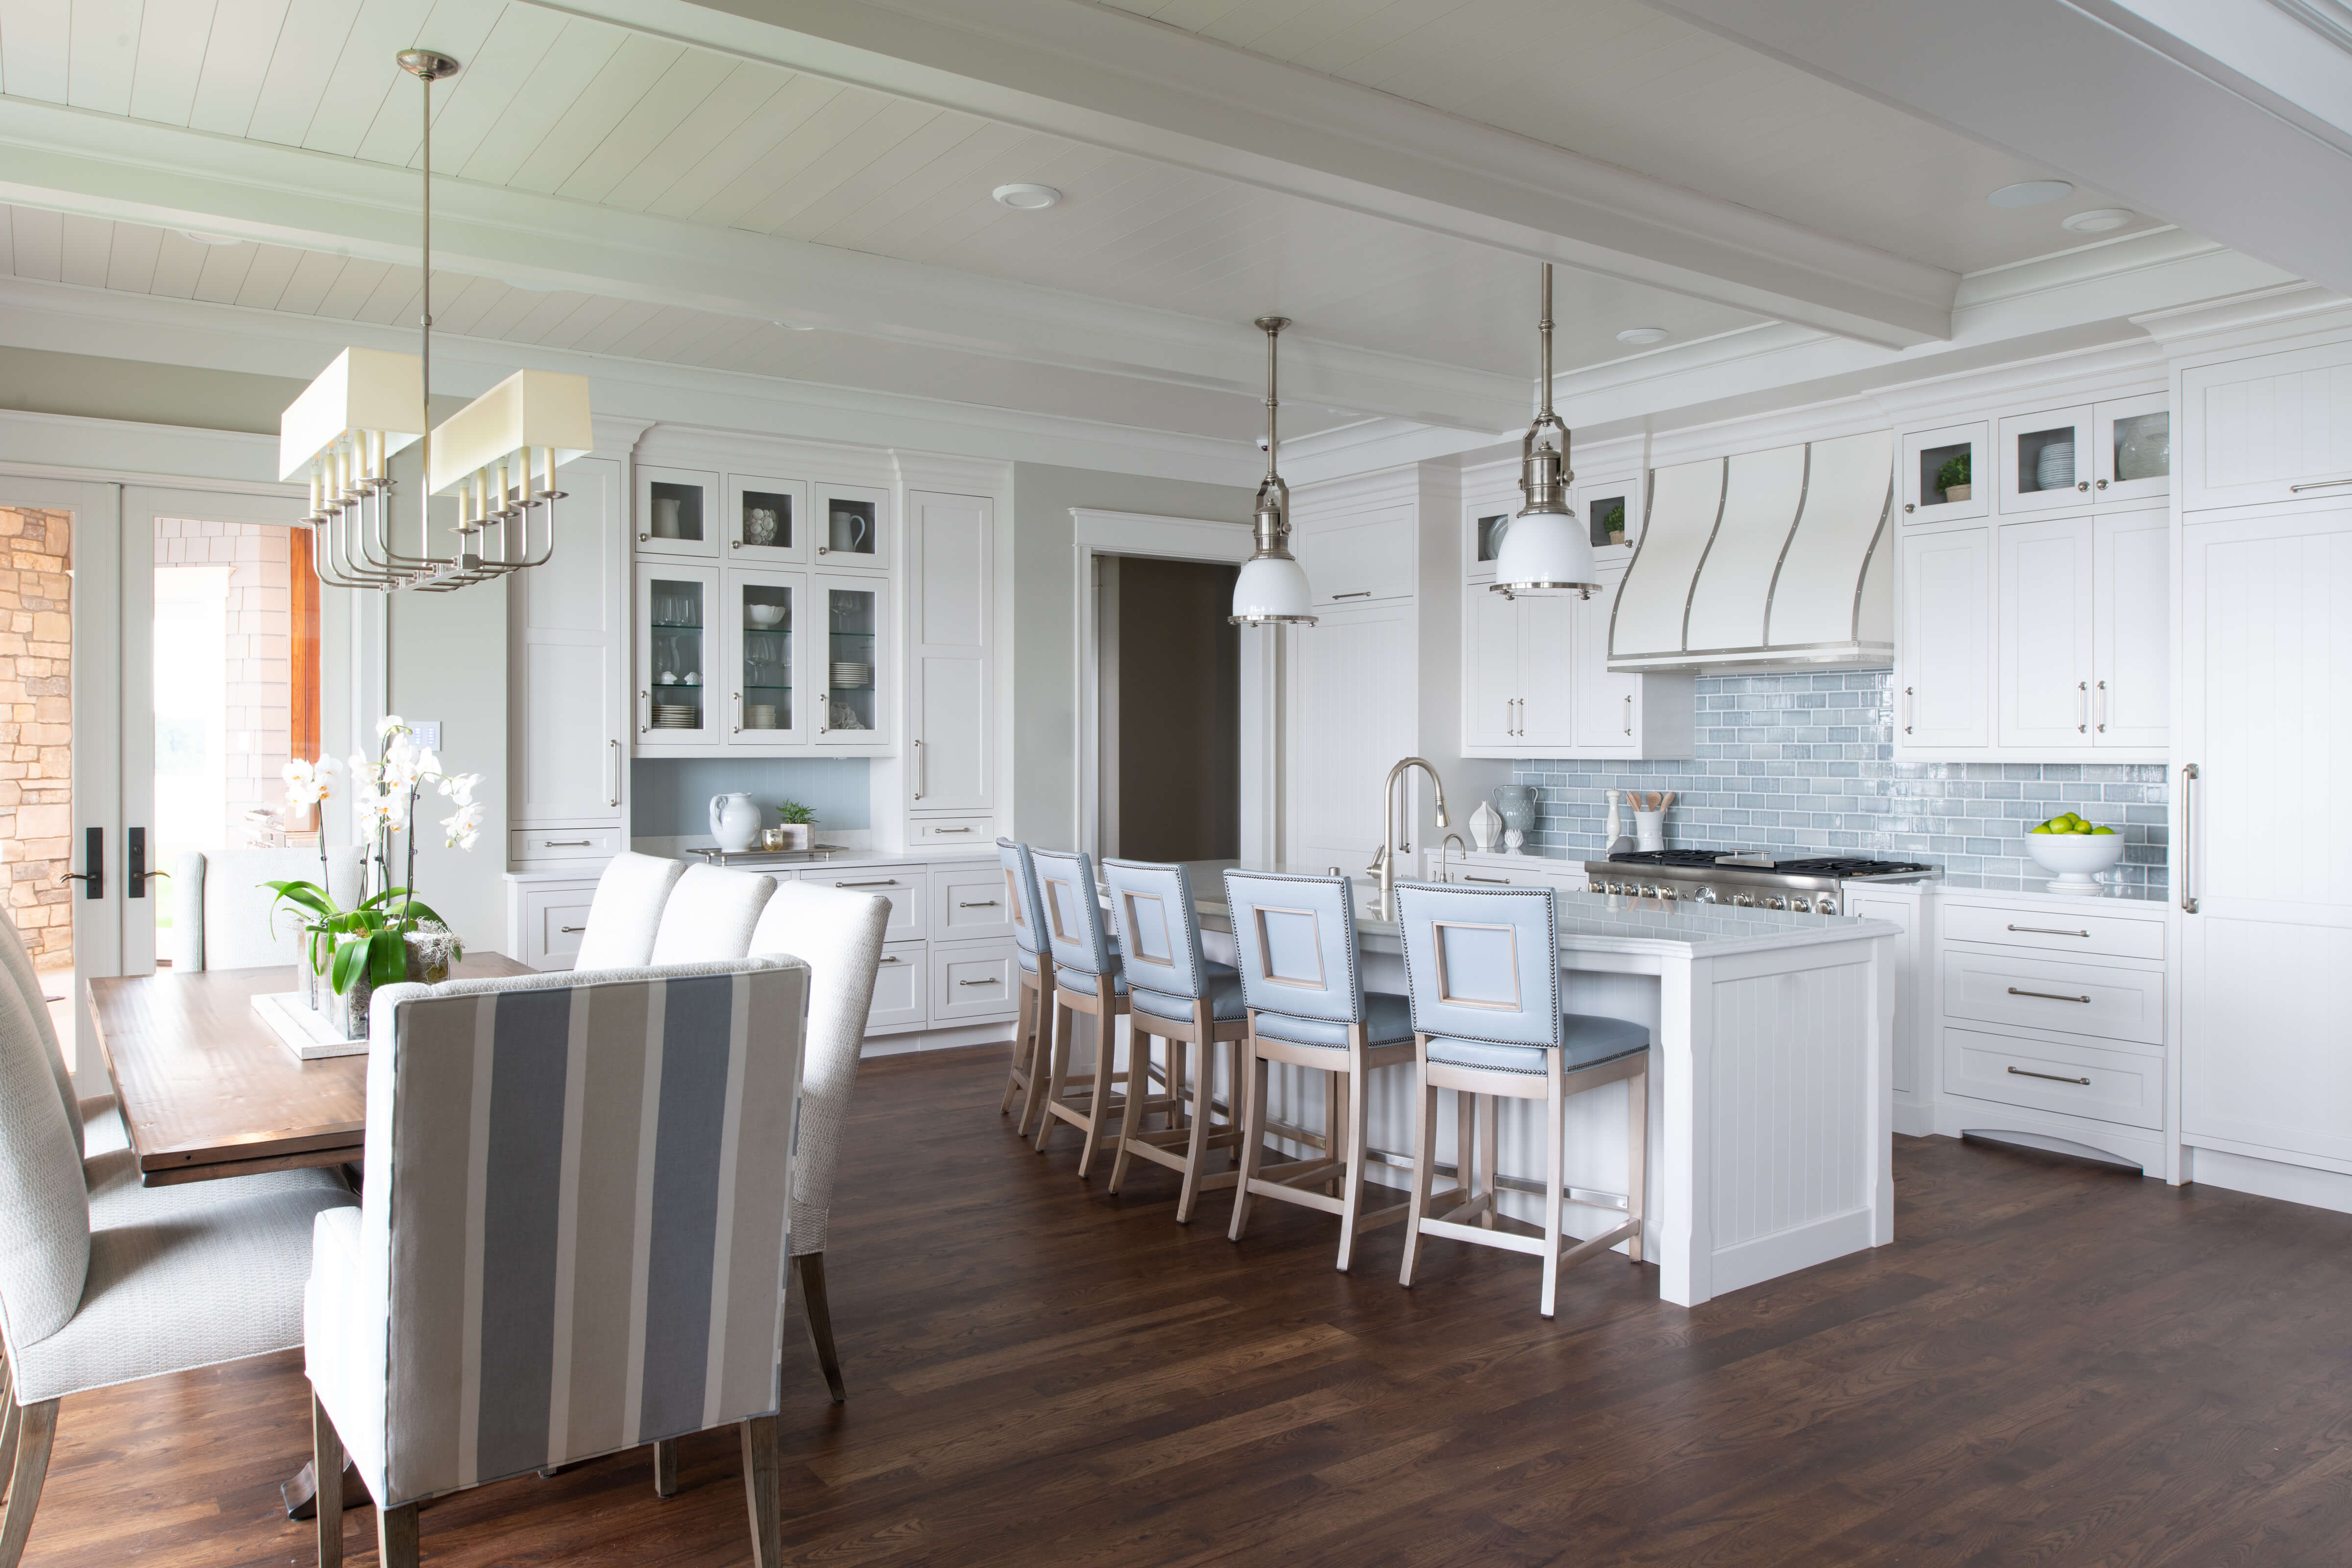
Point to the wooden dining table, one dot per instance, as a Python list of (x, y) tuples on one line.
[(207, 1092)]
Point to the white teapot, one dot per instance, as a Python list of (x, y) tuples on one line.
[(734, 822)]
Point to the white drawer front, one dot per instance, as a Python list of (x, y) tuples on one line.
[(552, 919), (970, 904), (972, 980), (2042, 994), (2078, 1081), (2048, 931), (976, 833), (901, 987), (563, 843), (907, 890)]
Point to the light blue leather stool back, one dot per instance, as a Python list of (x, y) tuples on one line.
[(1159, 930), (1481, 963), (1020, 889), (1297, 941), (1072, 911)]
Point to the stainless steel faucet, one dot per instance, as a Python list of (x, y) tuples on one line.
[(1383, 866)]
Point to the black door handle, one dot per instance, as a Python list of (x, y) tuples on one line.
[(93, 881)]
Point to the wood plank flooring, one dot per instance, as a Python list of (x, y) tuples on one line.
[(2055, 1364)]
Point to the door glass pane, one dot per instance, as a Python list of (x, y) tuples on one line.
[(850, 527), (850, 645), (37, 796), (1490, 535), (676, 639), (767, 520), (1606, 518), (1947, 474), (678, 511), (2144, 446), (2045, 459), (236, 693), (767, 657)]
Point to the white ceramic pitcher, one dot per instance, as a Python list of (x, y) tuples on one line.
[(734, 822)]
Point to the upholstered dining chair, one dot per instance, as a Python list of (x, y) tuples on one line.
[(222, 915), (96, 1120), (1483, 966), (710, 915), (570, 1239), (1176, 994), (1088, 981), (838, 934), (626, 912), (1303, 987), (94, 1292)]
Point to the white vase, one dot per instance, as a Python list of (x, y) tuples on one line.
[(734, 822), (1485, 827)]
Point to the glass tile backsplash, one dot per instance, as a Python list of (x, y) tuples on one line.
[(1806, 761)]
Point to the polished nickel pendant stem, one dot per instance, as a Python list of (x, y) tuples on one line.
[(1273, 495), (1272, 590), (1544, 473)]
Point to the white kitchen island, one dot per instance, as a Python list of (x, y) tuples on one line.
[(1771, 1082)]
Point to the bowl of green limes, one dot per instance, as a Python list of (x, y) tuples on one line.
[(2074, 851)]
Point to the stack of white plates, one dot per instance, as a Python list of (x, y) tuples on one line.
[(848, 673), (677, 716)]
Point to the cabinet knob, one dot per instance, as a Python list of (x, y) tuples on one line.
[(1908, 506), (2082, 484), (824, 550), (2103, 484), (643, 537), (734, 544)]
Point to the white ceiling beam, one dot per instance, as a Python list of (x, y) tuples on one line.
[(104, 165), (2082, 88), (1113, 79)]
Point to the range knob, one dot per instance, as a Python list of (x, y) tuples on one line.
[(1743, 900), (1775, 901), (1668, 891), (1802, 904), (1706, 895), (1825, 904)]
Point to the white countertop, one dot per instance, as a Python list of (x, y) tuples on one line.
[(588, 870)]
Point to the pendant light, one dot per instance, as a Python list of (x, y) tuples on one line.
[(1271, 590), (1545, 550)]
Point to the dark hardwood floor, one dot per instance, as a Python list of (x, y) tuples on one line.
[(2054, 1364)]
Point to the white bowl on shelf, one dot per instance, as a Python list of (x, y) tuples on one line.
[(764, 615), (2074, 859)]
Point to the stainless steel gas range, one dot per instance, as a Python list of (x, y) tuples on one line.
[(1812, 884)]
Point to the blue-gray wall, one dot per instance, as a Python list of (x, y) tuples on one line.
[(1806, 761), (670, 797)]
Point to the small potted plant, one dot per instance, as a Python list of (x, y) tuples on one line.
[(1952, 479), (797, 820), (1613, 521)]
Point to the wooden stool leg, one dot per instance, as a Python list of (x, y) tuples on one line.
[(1637, 1145), (397, 1543), (1250, 1085), (1138, 1089), (1554, 1180), (1196, 1148), (1057, 1035), (1023, 1055), (1465, 1106), (1351, 1200), (1490, 1139), (327, 1458), (1106, 1064), (1424, 1156)]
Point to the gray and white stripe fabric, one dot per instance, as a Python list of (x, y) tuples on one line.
[(572, 1233)]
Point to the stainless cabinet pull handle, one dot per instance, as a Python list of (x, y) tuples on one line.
[(919, 770), (2049, 996), (2187, 827), (616, 774), (936, 831), (2050, 931), (565, 843), (979, 983), (975, 903), (886, 882), (739, 713), (2315, 485), (645, 725), (1490, 881), (571, 930), (890, 961), (1910, 708), (1629, 712), (1359, 593), (2102, 712), (2053, 1078), (2082, 688)]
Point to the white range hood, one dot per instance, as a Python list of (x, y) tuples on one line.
[(1774, 560)]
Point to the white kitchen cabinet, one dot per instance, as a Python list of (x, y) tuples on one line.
[(2045, 609), (2269, 428), (2131, 452), (852, 643), (567, 634), (971, 981), (1925, 455), (907, 889), (2131, 626), (950, 543), (1492, 664), (1943, 654), (1348, 711), (767, 521), (902, 985), (2044, 460), (1548, 675), (1605, 500), (678, 513), (1358, 559), (545, 918), (1484, 523), (1536, 681), (1901, 907), (763, 618), (679, 689), (850, 527)]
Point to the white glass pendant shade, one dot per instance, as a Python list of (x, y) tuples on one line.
[(1545, 551), (1271, 590)]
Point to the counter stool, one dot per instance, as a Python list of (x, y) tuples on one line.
[(1303, 992), (1088, 979), (1483, 968), (1178, 995), (1028, 921)]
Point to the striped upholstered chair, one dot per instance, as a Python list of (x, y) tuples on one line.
[(572, 1236)]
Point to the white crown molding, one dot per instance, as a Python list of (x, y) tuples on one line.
[(1353, 493), (125, 451), (65, 318), (2289, 309), (953, 476), (1148, 533), (1104, 77)]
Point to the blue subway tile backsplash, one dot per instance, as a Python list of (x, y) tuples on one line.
[(1806, 761)]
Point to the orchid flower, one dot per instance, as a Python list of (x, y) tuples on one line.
[(464, 825), (390, 723), (307, 783), (460, 787)]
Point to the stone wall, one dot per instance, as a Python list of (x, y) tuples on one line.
[(37, 729)]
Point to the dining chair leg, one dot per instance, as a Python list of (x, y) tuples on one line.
[(1024, 1053), (665, 1467), (1554, 1180), (763, 1491), (327, 1460), (397, 1538), (1351, 1200), (36, 1427), (1250, 1088), (1424, 1155), (1058, 1047), (1637, 1145), (1138, 1089), (11, 1423), (810, 1268)]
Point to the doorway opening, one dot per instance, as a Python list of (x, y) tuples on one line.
[(1170, 734)]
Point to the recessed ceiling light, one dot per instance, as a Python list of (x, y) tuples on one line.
[(202, 238), (2029, 194), (1028, 198), (2098, 220), (1643, 335), (792, 326)]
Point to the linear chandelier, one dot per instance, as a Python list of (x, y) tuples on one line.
[(497, 456)]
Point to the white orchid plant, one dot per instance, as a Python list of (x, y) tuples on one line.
[(372, 936)]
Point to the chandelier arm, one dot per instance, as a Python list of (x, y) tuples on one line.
[(322, 544)]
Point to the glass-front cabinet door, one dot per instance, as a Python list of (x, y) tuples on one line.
[(850, 525), (767, 521), (1938, 474), (850, 682), (2134, 443), (764, 668), (2046, 460), (681, 682), (678, 513)]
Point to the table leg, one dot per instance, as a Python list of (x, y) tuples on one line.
[(301, 1492)]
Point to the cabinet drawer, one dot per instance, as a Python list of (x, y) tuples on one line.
[(952, 832), (2050, 931), (2044, 993), (972, 980), (2078, 1081), (552, 922), (970, 903), (901, 987), (525, 844), (906, 890)]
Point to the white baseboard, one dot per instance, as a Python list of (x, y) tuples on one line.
[(936, 1040), (1785, 1252), (2269, 1179), (1915, 1118)]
